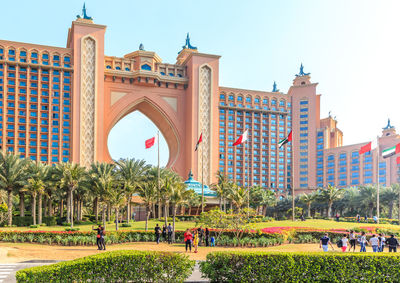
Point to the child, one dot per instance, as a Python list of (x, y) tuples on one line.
[(196, 240), (212, 241)]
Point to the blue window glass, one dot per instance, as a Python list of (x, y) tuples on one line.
[(303, 102), (146, 67)]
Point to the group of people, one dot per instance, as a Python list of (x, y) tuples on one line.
[(197, 237), (101, 244), (349, 241), (165, 232)]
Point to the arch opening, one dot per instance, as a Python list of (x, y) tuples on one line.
[(127, 137)]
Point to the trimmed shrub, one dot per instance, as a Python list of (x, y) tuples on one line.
[(300, 267), (117, 266), (126, 225)]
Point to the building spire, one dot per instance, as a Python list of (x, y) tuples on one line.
[(84, 15), (187, 44), (302, 73), (388, 126)]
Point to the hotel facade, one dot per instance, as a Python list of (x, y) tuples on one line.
[(58, 104)]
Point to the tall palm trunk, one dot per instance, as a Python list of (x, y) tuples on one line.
[(21, 204), (68, 207), (329, 212), (10, 205), (45, 208), (71, 198), (108, 213), (34, 209), (62, 208), (165, 214), (50, 206), (128, 210), (173, 222), (40, 209), (96, 208), (116, 218), (159, 210), (309, 210), (391, 203), (220, 203)]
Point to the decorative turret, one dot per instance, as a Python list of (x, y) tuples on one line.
[(302, 78), (389, 130), (141, 46), (84, 15), (187, 49)]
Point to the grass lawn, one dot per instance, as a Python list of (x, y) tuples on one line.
[(316, 223)]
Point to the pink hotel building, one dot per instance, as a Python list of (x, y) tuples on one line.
[(59, 104)]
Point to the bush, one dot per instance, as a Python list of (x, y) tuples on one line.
[(126, 225), (300, 267), (117, 266), (33, 226), (22, 221), (72, 229)]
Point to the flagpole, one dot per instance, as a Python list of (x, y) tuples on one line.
[(377, 178), (202, 180), (158, 166), (248, 180)]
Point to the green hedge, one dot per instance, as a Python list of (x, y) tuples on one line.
[(28, 220), (117, 266), (300, 267)]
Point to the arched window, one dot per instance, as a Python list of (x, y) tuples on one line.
[(127, 69), (231, 97), (118, 68), (146, 67), (240, 98), (248, 99), (108, 67), (257, 100)]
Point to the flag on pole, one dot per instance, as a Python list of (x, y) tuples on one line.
[(285, 140), (391, 151), (398, 160), (150, 142), (199, 141), (365, 148), (241, 139)]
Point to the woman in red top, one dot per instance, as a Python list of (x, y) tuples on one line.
[(188, 237)]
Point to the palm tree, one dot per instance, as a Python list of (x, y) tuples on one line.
[(37, 184), (102, 177), (179, 195), (168, 181), (70, 176), (329, 195), (308, 199), (147, 191), (238, 196), (368, 198), (13, 175), (389, 196), (131, 172), (268, 199), (36, 187), (224, 184)]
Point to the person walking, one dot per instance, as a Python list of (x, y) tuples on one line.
[(187, 237), (98, 236), (164, 233), (196, 240), (207, 236), (169, 231), (392, 243), (157, 231), (345, 241), (337, 217), (362, 239), (381, 242), (102, 239), (200, 234), (324, 242), (374, 241), (358, 218), (352, 240)]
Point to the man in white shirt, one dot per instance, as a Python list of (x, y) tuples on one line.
[(374, 241)]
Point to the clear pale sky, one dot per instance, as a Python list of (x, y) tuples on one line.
[(351, 48)]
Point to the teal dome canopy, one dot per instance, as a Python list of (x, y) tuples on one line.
[(196, 186)]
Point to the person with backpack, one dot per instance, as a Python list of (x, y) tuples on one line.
[(169, 230), (343, 243), (98, 236), (392, 243), (102, 239), (324, 242), (157, 231), (381, 242), (352, 240), (362, 239), (374, 241)]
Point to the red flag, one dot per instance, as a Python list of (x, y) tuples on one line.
[(397, 148), (398, 160), (365, 148), (241, 139), (199, 141), (150, 142)]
